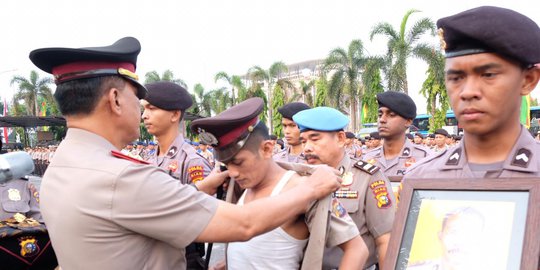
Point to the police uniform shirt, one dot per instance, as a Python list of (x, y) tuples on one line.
[(523, 161), (410, 154), (367, 195), (182, 162), (286, 156), (105, 212), (19, 196), (352, 150)]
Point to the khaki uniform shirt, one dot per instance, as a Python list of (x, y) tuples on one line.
[(19, 196), (182, 162), (105, 212), (285, 156), (353, 150), (367, 195), (410, 154), (523, 161)]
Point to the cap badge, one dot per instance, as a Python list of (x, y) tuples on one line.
[(207, 137), (440, 33)]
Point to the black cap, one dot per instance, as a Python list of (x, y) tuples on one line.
[(418, 134), (398, 102), (228, 131), (289, 110), (442, 131), (409, 136), (349, 135), (168, 96), (491, 29), (374, 136), (67, 64), (432, 136)]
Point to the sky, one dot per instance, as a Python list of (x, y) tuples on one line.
[(197, 39)]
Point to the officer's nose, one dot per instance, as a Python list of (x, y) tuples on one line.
[(470, 89)]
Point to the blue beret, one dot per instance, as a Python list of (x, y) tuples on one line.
[(321, 119), (168, 96), (493, 30), (398, 102), (151, 143), (67, 64)]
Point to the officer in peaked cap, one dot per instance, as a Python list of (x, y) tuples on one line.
[(113, 204), (164, 108), (293, 151), (492, 61), (240, 141), (366, 193), (396, 113)]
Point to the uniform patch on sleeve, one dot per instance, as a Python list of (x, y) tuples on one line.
[(196, 173), (381, 194), (366, 167)]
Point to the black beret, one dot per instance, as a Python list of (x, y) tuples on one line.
[(273, 137), (67, 64), (289, 110), (349, 135), (168, 96), (442, 131), (491, 29), (229, 130), (409, 136), (432, 136), (398, 102), (419, 135), (374, 135)]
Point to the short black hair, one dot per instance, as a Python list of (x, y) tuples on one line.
[(259, 134), (80, 97)]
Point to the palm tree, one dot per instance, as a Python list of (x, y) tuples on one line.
[(202, 101), (372, 82), (401, 45), (270, 77), (345, 85), (220, 100), (306, 92), (29, 90), (234, 81), (167, 75)]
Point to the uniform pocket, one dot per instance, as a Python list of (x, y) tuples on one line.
[(13, 205), (351, 205)]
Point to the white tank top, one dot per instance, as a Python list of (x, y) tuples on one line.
[(273, 250)]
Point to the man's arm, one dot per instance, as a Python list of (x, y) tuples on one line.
[(382, 245), (355, 254), (240, 223)]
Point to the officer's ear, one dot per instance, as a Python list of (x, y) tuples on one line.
[(532, 75), (341, 137), (175, 117), (266, 148), (113, 97)]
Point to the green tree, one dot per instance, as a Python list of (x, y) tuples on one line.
[(433, 88), (202, 100), (400, 46), (30, 89), (234, 81), (270, 77), (305, 91), (220, 100), (321, 92), (373, 85), (167, 75), (345, 83), (278, 101)]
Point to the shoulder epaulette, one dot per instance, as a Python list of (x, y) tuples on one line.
[(126, 157), (366, 167)]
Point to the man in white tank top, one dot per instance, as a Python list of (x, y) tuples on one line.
[(250, 164)]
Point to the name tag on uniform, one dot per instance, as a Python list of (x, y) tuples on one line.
[(346, 194)]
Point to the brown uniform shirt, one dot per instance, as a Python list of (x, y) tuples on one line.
[(104, 212), (367, 195), (410, 154), (19, 196), (182, 162), (523, 161), (285, 156)]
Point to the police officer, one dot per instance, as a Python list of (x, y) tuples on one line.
[(439, 142), (293, 151), (418, 138), (352, 149), (164, 108), (490, 64), (366, 192), (375, 140), (105, 210), (396, 113)]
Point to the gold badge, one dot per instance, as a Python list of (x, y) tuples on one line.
[(440, 33), (347, 179), (14, 194)]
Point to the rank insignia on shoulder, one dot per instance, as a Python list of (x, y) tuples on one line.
[(522, 158), (366, 167), (122, 156)]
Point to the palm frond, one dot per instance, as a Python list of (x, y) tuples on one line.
[(419, 28), (385, 29)]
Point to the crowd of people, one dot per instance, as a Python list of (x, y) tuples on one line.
[(109, 203)]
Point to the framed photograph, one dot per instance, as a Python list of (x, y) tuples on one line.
[(466, 224)]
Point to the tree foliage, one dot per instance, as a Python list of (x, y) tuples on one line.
[(167, 75), (30, 90), (278, 100), (321, 92)]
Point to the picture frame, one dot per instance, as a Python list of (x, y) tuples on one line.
[(501, 217)]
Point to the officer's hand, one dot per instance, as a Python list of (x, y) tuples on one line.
[(324, 181), (212, 182)]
